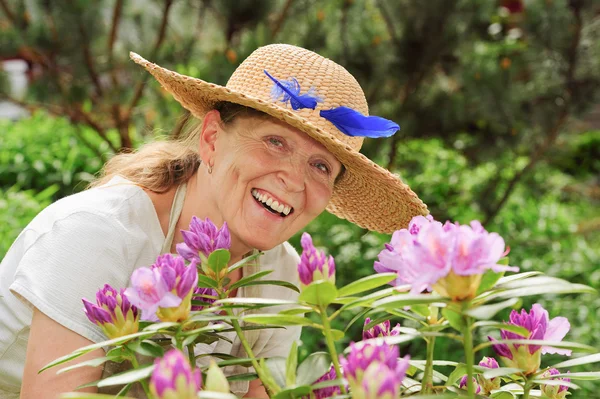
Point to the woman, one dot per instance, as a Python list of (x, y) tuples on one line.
[(276, 147)]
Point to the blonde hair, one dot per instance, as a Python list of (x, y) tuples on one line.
[(161, 165)]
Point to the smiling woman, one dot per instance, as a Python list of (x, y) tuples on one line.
[(272, 150)]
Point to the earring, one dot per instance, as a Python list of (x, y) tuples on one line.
[(210, 169)]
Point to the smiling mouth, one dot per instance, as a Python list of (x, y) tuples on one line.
[(272, 205)]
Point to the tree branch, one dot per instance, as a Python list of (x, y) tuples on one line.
[(281, 19), (89, 59), (539, 153), (159, 39), (114, 27)]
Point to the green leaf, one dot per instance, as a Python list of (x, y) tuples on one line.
[(89, 363), (127, 377), (83, 395), (279, 283), (254, 301), (368, 299), (562, 344), (293, 393), (456, 374), (578, 361), (488, 280), (366, 283), (297, 310), (420, 365), (453, 318), (277, 319), (584, 375), (486, 312), (161, 326), (400, 301), (276, 366), (556, 382), (502, 395), (215, 395), (338, 335), (291, 365), (243, 377), (246, 362), (313, 367), (502, 326), (518, 276), (500, 372), (248, 279), (320, 293), (421, 310), (86, 349), (244, 261), (562, 287), (218, 260), (358, 316), (147, 348), (206, 282)]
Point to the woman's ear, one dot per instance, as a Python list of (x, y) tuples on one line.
[(211, 126)]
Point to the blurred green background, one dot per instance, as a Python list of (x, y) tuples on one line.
[(499, 103)]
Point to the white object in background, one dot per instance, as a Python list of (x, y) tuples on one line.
[(17, 80)]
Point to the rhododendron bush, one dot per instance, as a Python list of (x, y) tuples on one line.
[(448, 280)]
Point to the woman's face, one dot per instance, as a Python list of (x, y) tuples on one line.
[(269, 180)]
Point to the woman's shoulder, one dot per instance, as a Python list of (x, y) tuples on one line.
[(119, 201)]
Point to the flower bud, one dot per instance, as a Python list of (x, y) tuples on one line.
[(173, 377), (488, 385), (380, 330), (554, 391), (314, 264), (463, 384), (113, 313), (216, 380)]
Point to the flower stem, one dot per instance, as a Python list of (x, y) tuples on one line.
[(191, 355), (331, 346), (469, 355), (136, 365), (427, 382), (526, 389), (240, 333)]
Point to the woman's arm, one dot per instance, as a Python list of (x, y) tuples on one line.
[(48, 341), (256, 390)]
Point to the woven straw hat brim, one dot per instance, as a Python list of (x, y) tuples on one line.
[(367, 195)]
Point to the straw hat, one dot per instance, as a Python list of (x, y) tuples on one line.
[(367, 195)]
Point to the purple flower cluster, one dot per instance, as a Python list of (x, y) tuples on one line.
[(327, 392), (540, 327), (164, 290), (380, 330), (373, 370), (448, 258), (207, 295), (314, 264), (463, 384), (173, 377), (202, 239), (112, 312)]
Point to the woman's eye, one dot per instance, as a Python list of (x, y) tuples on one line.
[(275, 142), (322, 167)]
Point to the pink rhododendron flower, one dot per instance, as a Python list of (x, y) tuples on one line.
[(202, 239), (327, 392), (173, 377), (449, 258), (380, 330), (314, 264), (164, 291), (373, 370), (112, 312), (540, 327)]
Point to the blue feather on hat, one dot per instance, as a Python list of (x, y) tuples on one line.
[(289, 90), (353, 123)]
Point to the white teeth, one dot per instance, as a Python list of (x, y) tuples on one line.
[(273, 204)]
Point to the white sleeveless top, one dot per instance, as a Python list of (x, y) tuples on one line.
[(96, 237)]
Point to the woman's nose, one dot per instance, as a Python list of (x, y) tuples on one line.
[(292, 176)]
